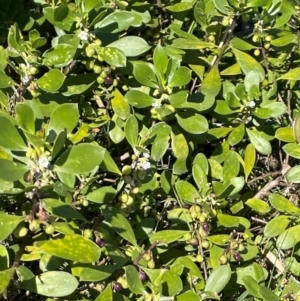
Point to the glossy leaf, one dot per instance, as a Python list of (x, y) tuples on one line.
[(262, 145), (181, 77), (296, 127), (25, 117), (282, 204), (249, 159), (288, 238), (119, 105), (72, 247), (179, 144), (285, 134), (166, 236), (102, 195), (192, 122), (293, 175), (5, 277), (187, 192), (231, 166), (11, 170), (218, 279), (258, 205), (8, 224), (276, 226), (80, 159), (59, 56), (134, 283), (211, 85), (51, 284), (139, 99), (131, 130), (51, 81), (292, 149)]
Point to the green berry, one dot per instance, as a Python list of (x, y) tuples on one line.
[(85, 203), (34, 225), (199, 258), (256, 52), (223, 259), (126, 170), (90, 64), (89, 51), (97, 69), (49, 229), (187, 236), (151, 264), (147, 256), (100, 80), (87, 233)]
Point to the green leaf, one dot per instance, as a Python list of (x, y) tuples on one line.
[(262, 145), (293, 74), (131, 46), (51, 284), (284, 40), (181, 77), (192, 122), (106, 294), (62, 209), (132, 130), (119, 105), (211, 85), (59, 56), (113, 56), (293, 175), (72, 247), (97, 273), (134, 283), (288, 238), (248, 63), (4, 259), (145, 74), (228, 220), (12, 171), (187, 192), (5, 277), (119, 224), (139, 99), (276, 226), (182, 43), (25, 117), (179, 7), (188, 296), (3, 58), (59, 143), (109, 164), (189, 266), (160, 59), (10, 137), (258, 205), (5, 81), (249, 159), (241, 44), (74, 85), (115, 22), (218, 279), (179, 144), (171, 284), (167, 236), (80, 159), (102, 195), (231, 166), (51, 81), (251, 286), (65, 116), (296, 127), (60, 16), (199, 177), (285, 134), (282, 204), (8, 224), (292, 149), (236, 135)]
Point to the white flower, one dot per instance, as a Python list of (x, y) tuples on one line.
[(83, 35), (251, 104), (146, 155), (25, 80), (146, 165), (43, 162)]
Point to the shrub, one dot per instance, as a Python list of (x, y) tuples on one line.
[(149, 150)]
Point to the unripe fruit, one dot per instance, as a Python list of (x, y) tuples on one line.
[(151, 264), (187, 236), (97, 69), (255, 38), (199, 258), (256, 52), (100, 58), (130, 201), (43, 215), (201, 217), (20, 232), (234, 245), (147, 256), (87, 233), (123, 282), (107, 70), (33, 70), (171, 108), (123, 198), (246, 236), (223, 259), (103, 74), (194, 242), (268, 38), (85, 203), (202, 232), (225, 21), (126, 170), (211, 38), (89, 51), (241, 248), (205, 244), (142, 276), (135, 190), (115, 83), (134, 157), (100, 80), (98, 42), (267, 46), (34, 225), (49, 229), (90, 64)]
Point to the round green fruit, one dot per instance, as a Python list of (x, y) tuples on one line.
[(98, 42), (187, 236), (199, 258), (225, 21), (268, 38), (85, 203), (34, 225), (223, 259), (267, 46), (126, 170), (20, 232), (256, 52), (205, 244), (97, 69), (33, 70), (100, 80), (49, 229), (89, 51), (151, 264), (147, 257), (211, 38), (255, 38), (88, 233), (130, 201), (241, 248), (123, 198), (90, 64)]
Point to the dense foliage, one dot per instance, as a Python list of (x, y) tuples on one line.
[(149, 150)]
